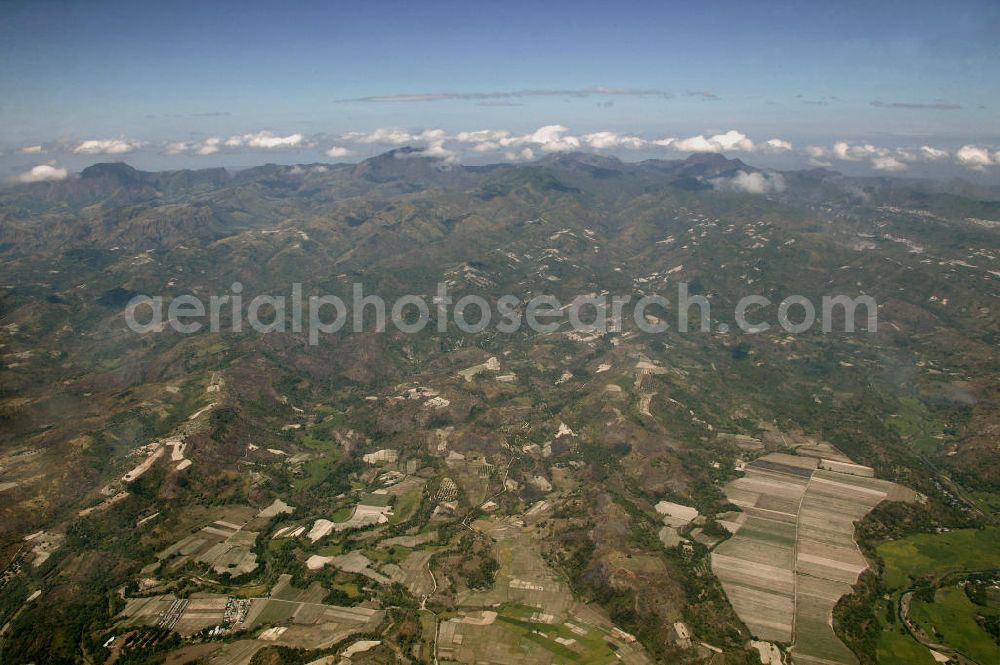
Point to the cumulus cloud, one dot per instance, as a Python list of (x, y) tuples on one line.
[(605, 140), (482, 136), (106, 147), (854, 153), (932, 154), (551, 138), (432, 140), (263, 140), (897, 159), (732, 141), (435, 148), (558, 138), (974, 157), (394, 136), (43, 173), (266, 141), (338, 151), (888, 163), (554, 138), (484, 140), (527, 154), (776, 145), (755, 182), (209, 146), (32, 150)]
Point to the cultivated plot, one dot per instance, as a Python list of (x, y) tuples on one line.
[(794, 555)]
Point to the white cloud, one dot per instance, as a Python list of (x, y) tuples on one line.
[(694, 144), (435, 148), (32, 150), (432, 135), (432, 140), (853, 153), (482, 136), (927, 152), (42, 173), (389, 136), (886, 159), (888, 163), (757, 182), (557, 138), (526, 154), (974, 157), (550, 138), (338, 151), (732, 141), (106, 147), (209, 146), (484, 140), (605, 140), (394, 136), (776, 145), (266, 141), (258, 141)]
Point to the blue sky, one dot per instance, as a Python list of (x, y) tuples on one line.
[(151, 83)]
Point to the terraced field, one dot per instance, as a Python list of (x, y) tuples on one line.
[(794, 555)]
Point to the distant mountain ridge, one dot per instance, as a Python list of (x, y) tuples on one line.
[(114, 203)]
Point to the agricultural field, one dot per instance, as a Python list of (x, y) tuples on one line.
[(510, 635), (948, 621), (794, 556), (536, 618), (287, 616), (224, 546), (523, 577), (951, 619), (938, 553)]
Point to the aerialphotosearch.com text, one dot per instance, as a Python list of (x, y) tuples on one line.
[(319, 315)]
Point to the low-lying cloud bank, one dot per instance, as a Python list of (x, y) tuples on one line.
[(899, 159), (263, 140), (512, 146)]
